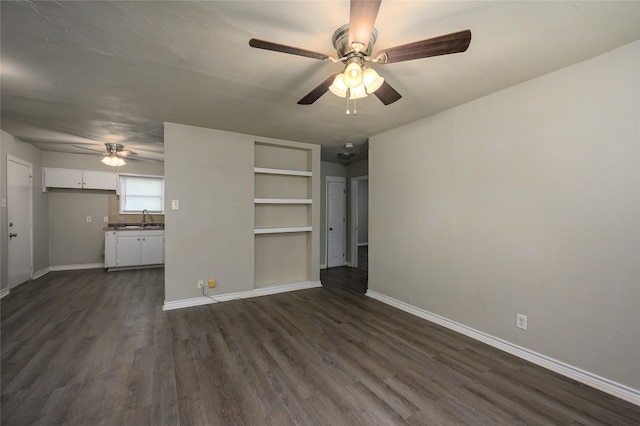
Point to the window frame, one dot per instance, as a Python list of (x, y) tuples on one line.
[(121, 192)]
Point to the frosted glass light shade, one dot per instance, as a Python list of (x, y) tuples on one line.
[(113, 161), (372, 81), (338, 87), (358, 92), (353, 75)]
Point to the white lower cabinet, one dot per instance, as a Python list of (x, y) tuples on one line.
[(128, 249), (152, 248), (133, 248)]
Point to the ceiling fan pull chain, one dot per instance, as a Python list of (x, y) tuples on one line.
[(347, 97), (354, 107)]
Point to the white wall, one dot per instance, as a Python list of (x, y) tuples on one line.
[(211, 173), (526, 200)]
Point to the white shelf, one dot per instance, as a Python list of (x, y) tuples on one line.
[(282, 201), (264, 170), (282, 230)]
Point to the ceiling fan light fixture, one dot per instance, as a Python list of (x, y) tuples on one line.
[(371, 80), (113, 161), (338, 87), (353, 74), (358, 92)]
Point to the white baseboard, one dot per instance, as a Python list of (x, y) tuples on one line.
[(323, 266), (197, 301), (74, 267), (4, 292), (609, 386), (362, 244), (40, 273)]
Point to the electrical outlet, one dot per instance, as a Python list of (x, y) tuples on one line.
[(521, 321), (105, 219), (200, 283), (212, 283)]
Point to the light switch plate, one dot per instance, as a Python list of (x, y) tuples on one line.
[(105, 219), (4, 202), (175, 204), (88, 219)]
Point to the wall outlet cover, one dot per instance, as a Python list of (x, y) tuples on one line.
[(521, 321)]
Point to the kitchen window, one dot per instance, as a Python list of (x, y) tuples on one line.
[(138, 193)]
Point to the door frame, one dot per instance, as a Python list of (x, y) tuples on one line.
[(353, 223), (30, 166), (328, 179)]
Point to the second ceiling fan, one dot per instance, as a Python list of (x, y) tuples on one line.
[(354, 42)]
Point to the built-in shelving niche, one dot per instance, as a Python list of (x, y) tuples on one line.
[(283, 214)]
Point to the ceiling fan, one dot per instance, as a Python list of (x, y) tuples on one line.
[(115, 154), (354, 43)]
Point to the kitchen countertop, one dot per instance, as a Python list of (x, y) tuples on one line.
[(133, 227)]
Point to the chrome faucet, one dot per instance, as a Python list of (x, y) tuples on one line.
[(144, 213)]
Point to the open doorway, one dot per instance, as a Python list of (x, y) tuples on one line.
[(359, 226)]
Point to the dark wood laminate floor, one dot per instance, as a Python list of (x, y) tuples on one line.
[(92, 348), (345, 278)]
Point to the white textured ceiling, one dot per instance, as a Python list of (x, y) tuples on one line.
[(94, 72)]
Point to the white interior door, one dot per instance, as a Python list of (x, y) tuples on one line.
[(19, 216), (336, 218)]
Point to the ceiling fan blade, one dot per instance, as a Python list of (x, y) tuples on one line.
[(125, 153), (362, 18), (89, 149), (146, 160), (387, 94), (318, 91), (443, 45), (267, 45)]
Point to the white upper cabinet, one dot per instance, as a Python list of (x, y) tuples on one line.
[(98, 180), (61, 178), (78, 179)]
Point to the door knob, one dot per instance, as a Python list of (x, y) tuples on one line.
[(12, 235)]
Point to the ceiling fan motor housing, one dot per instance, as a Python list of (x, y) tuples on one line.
[(343, 48), (113, 148)]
